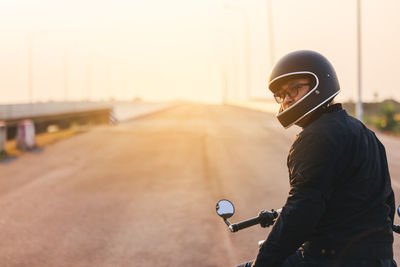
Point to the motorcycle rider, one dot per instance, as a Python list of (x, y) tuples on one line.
[(340, 208)]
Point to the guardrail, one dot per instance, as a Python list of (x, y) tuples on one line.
[(3, 138), (65, 114), (62, 120), (62, 114), (40, 109)]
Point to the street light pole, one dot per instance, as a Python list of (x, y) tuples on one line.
[(225, 72), (30, 63), (235, 67), (89, 77), (30, 48), (359, 107), (246, 38), (248, 57), (108, 81), (271, 33), (66, 50)]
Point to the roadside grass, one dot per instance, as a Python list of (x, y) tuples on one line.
[(380, 116)]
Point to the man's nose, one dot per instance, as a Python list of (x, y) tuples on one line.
[(287, 98)]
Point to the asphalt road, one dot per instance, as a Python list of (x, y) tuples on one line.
[(143, 193)]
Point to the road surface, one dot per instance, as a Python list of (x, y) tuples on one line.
[(143, 193)]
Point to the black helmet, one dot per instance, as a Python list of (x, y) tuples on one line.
[(299, 64)]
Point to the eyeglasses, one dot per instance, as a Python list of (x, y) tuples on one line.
[(292, 92)]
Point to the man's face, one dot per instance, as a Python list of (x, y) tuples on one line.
[(292, 91)]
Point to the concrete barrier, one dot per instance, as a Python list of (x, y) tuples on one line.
[(26, 135), (63, 121), (65, 115), (3, 138), (113, 118)]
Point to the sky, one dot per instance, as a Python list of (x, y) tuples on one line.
[(205, 51)]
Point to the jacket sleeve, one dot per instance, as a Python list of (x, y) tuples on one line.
[(311, 164), (390, 202)]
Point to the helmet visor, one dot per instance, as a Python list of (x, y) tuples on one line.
[(276, 85)]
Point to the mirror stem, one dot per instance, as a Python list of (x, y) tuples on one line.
[(230, 226), (227, 222)]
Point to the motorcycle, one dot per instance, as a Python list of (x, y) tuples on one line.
[(225, 210)]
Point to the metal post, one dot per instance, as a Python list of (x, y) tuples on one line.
[(224, 80), (89, 78), (246, 35), (108, 81), (359, 107), (271, 33), (246, 39), (3, 139), (235, 69), (226, 93), (66, 74), (30, 63), (30, 82)]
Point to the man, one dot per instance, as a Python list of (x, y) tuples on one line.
[(340, 208)]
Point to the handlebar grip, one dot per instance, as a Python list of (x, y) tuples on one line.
[(239, 226)]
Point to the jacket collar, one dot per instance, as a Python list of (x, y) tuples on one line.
[(318, 113)]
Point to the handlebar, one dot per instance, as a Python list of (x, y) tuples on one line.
[(268, 218), (264, 218), (239, 226)]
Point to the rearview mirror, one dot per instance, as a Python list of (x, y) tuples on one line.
[(225, 208)]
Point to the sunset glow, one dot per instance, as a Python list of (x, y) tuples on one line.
[(196, 50)]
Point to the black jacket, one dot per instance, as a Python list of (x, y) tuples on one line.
[(341, 203)]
